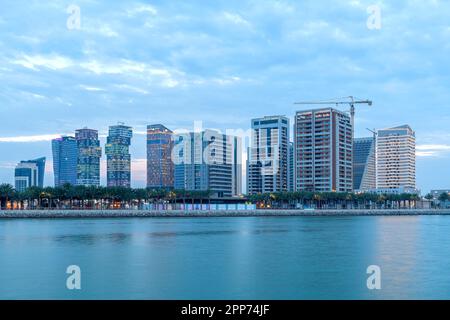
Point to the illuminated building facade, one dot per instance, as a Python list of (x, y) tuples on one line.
[(89, 154), (159, 157), (118, 158)]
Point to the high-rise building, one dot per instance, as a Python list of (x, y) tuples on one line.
[(208, 160), (364, 165), (323, 151), (65, 157), (89, 154), (159, 157), (396, 158), (118, 158), (291, 184), (268, 157), (29, 173)]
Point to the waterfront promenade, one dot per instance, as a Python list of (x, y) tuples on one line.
[(213, 213)]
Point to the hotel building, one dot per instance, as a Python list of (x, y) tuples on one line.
[(65, 155), (160, 168), (208, 160), (396, 158), (323, 145), (118, 158), (268, 156), (89, 154)]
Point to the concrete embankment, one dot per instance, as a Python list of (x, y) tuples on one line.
[(16, 214)]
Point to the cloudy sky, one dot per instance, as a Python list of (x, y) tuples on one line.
[(222, 63)]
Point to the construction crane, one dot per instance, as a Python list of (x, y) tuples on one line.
[(374, 132), (352, 102)]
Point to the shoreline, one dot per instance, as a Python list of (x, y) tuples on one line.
[(59, 214)]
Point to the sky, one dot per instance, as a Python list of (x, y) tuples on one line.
[(65, 65)]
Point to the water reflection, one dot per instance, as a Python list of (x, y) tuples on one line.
[(92, 239), (227, 258), (398, 254)]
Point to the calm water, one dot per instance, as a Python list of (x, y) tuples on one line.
[(226, 258)]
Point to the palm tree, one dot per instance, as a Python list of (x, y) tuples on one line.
[(443, 198), (6, 193)]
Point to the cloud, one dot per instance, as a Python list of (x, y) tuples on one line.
[(142, 8), (89, 88), (36, 138), (107, 31), (236, 19), (432, 150), (223, 62), (7, 165), (53, 62), (132, 88), (162, 76)]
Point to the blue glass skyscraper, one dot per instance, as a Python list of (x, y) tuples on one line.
[(65, 153), (364, 172)]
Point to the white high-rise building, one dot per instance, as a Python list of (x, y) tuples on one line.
[(396, 158), (268, 157)]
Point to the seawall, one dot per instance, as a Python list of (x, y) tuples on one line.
[(34, 214)]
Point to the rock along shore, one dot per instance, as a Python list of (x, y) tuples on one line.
[(18, 214)]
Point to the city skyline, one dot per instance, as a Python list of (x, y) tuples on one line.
[(248, 59), (324, 157)]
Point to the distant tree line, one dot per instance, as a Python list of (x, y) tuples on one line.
[(82, 197), (93, 197), (334, 200)]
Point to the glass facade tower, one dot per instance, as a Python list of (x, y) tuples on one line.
[(89, 154), (65, 157), (29, 173), (118, 156), (364, 166), (159, 157), (208, 160)]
